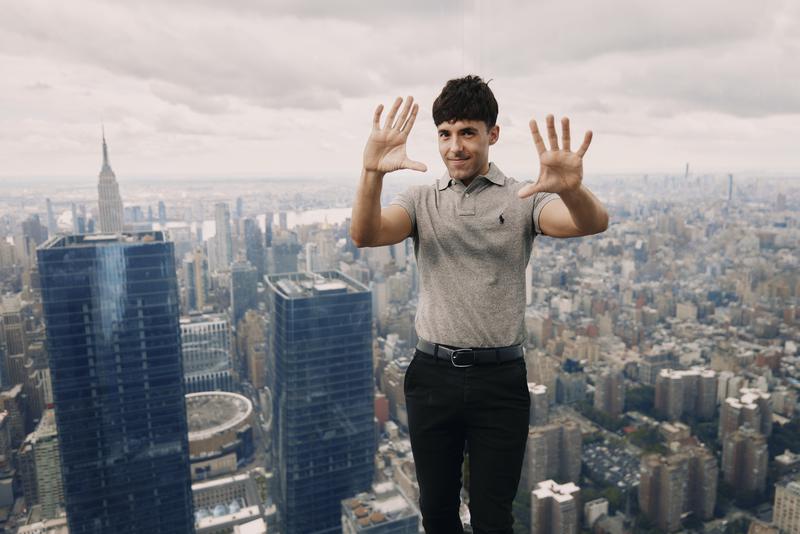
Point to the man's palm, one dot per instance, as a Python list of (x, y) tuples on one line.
[(560, 169), (386, 147)]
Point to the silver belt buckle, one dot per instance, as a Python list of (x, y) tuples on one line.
[(456, 352)]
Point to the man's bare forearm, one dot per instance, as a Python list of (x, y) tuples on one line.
[(586, 210), (366, 218)]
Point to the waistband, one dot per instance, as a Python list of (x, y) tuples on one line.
[(469, 357)]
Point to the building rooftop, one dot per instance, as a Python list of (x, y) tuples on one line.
[(385, 503), (559, 492), (210, 412), (94, 240), (308, 285)]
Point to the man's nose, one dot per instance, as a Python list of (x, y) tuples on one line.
[(455, 144)]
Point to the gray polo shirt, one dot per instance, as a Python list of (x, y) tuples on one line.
[(472, 246)]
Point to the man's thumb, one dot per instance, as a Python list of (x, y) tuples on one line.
[(528, 190), (414, 165)]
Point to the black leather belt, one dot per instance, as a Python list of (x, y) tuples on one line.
[(469, 357)]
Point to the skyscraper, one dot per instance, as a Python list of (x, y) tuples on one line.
[(52, 224), (42, 445), (223, 242), (321, 357), (540, 404), (662, 489), (744, 460), (752, 407), (609, 393), (555, 508), (786, 515), (244, 293), (111, 312), (553, 451), (686, 391), (110, 203)]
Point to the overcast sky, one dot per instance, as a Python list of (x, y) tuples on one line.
[(258, 87)]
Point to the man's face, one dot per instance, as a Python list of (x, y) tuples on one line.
[(464, 147)]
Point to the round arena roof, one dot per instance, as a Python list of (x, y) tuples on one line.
[(213, 412)]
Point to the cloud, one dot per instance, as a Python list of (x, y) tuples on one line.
[(254, 84)]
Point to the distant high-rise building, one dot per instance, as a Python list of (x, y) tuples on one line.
[(282, 255), (555, 508), (744, 460), (244, 292), (239, 207), (663, 489), (223, 242), (195, 279), (553, 451), (609, 393), (752, 407), (654, 362), (15, 339), (207, 354), (268, 221), (254, 246), (111, 312), (702, 485), (110, 202), (12, 401), (786, 511), (540, 404), (730, 188), (162, 213), (321, 377), (52, 223), (45, 483), (686, 391)]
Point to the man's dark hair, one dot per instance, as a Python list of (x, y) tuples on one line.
[(467, 98)]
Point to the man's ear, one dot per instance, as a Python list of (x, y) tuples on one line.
[(494, 134)]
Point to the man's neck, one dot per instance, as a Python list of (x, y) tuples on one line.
[(484, 172)]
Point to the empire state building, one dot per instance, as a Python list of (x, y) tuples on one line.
[(110, 201)]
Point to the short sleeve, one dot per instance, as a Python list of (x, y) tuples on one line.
[(539, 201), (407, 201)]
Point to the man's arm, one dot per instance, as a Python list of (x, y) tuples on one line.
[(376, 227), (577, 212), (385, 152)]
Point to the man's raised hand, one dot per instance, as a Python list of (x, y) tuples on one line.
[(386, 147), (560, 170)]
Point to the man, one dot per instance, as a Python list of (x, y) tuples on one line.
[(473, 232)]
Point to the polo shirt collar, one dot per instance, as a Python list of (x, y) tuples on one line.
[(494, 175)]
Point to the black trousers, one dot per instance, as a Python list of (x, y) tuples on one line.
[(484, 407)]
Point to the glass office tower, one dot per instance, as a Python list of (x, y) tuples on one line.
[(111, 312), (321, 374)]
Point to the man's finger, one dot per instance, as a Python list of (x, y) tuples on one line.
[(404, 114), (376, 120), (565, 133), (410, 122), (537, 137), (551, 133), (587, 139), (393, 112), (414, 165)]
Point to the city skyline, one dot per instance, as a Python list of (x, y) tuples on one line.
[(210, 90)]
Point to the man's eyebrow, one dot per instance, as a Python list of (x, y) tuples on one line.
[(468, 129)]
